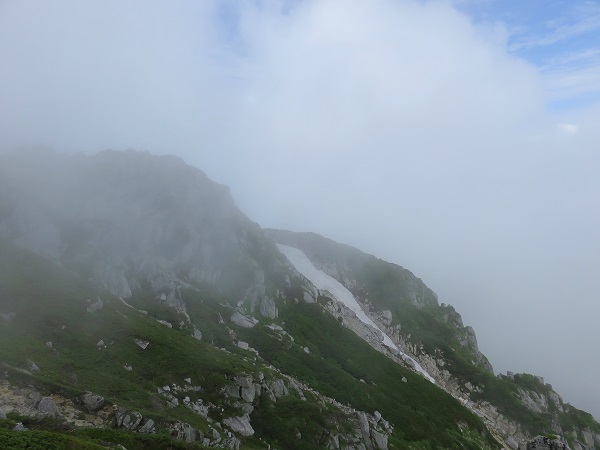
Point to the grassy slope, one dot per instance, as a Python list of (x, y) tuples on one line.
[(50, 305), (423, 415), (436, 327), (430, 327), (45, 298)]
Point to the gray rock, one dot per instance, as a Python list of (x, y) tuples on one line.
[(334, 441), (385, 317), (243, 381), (512, 443), (231, 443), (588, 438), (243, 321), (112, 279), (533, 401), (308, 298), (141, 343), (184, 432), (240, 425), (91, 402), (278, 388), (248, 393), (243, 345), (132, 420), (376, 416), (119, 416), (232, 390), (20, 427), (246, 408), (35, 398), (96, 306), (544, 443), (47, 406), (197, 334), (148, 427), (2, 414), (363, 425), (556, 399), (379, 439), (267, 308)]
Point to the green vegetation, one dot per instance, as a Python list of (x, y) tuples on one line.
[(287, 419), (50, 434), (343, 366), (51, 307)]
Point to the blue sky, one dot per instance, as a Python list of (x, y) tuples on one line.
[(560, 37)]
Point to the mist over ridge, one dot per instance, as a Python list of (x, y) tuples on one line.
[(415, 131)]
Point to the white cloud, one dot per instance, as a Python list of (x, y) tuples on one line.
[(568, 128)]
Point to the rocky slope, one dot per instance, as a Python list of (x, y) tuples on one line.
[(514, 407), (134, 295)]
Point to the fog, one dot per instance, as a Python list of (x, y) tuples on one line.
[(403, 128)]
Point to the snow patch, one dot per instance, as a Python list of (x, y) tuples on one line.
[(322, 281)]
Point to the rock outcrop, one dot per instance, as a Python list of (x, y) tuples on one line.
[(545, 443)]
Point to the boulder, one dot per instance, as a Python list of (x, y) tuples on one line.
[(47, 406), (512, 443), (588, 438), (91, 402), (240, 425), (544, 443), (197, 334), (267, 308), (35, 398), (363, 425), (184, 432), (148, 427), (379, 439), (141, 343), (243, 321), (132, 420), (243, 381), (231, 443), (248, 393), (20, 427), (278, 388)]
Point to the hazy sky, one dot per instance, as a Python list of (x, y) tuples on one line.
[(458, 139)]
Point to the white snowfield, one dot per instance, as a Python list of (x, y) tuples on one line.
[(322, 281)]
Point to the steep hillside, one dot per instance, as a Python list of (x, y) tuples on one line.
[(138, 305), (515, 407)]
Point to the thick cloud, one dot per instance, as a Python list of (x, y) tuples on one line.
[(396, 126)]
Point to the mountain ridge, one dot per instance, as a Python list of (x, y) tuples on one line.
[(164, 239)]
